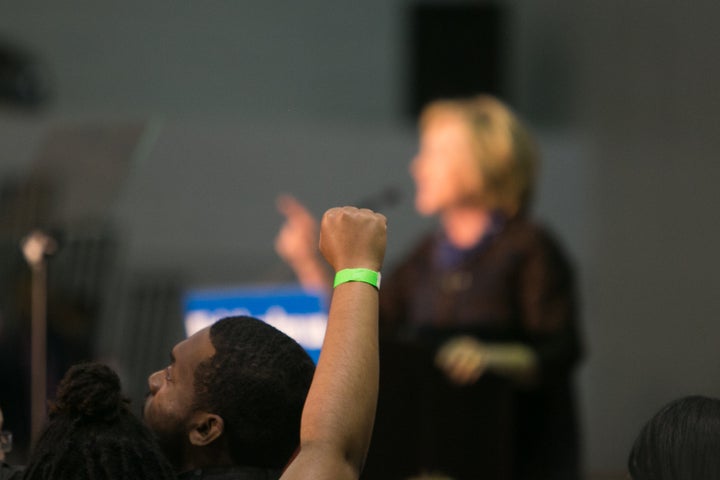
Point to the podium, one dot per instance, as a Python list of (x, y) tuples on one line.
[(426, 424)]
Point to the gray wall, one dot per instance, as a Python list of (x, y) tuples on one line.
[(245, 100)]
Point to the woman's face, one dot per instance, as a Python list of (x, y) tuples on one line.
[(445, 170)]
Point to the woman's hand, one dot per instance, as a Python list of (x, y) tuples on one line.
[(297, 240), (297, 244), (463, 360)]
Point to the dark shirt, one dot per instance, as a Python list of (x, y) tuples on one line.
[(230, 473), (8, 472), (516, 285)]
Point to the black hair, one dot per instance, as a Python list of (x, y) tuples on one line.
[(92, 433), (257, 381), (681, 442)]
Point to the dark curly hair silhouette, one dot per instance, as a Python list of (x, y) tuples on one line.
[(92, 434), (680, 442), (262, 405)]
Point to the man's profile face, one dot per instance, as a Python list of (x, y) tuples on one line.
[(169, 403)]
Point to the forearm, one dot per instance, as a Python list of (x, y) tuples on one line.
[(340, 407), (515, 361), (339, 411)]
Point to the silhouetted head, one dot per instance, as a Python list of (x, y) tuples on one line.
[(233, 394), (681, 442), (92, 434)]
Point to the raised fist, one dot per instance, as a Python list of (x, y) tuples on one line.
[(353, 238)]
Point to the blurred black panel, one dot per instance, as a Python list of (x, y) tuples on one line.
[(23, 80), (425, 424), (456, 49)]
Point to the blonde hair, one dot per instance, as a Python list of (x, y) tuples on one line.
[(505, 150)]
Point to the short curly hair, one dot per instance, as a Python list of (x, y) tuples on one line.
[(92, 433), (257, 381)]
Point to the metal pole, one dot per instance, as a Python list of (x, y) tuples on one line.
[(38, 360), (35, 247)]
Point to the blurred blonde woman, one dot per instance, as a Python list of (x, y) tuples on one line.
[(489, 291)]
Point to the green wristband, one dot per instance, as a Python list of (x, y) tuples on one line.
[(357, 275)]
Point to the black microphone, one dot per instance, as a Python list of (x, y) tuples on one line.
[(388, 197)]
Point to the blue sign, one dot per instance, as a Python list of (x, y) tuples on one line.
[(298, 313)]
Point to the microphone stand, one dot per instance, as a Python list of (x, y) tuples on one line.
[(36, 246)]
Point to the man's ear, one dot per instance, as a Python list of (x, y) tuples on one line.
[(206, 428)]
